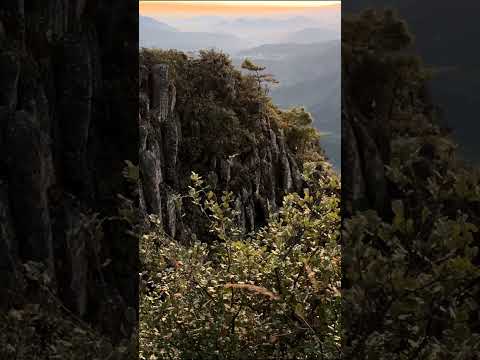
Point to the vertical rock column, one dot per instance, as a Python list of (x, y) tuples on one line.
[(159, 81), (150, 151), (159, 148), (75, 87), (28, 181)]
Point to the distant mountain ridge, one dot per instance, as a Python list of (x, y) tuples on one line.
[(149, 23), (260, 29), (292, 63), (313, 35), (280, 50), (156, 34)]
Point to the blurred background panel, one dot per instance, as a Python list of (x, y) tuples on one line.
[(446, 34)]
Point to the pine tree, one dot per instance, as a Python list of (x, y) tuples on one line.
[(258, 75)]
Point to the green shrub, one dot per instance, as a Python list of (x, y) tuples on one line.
[(269, 295)]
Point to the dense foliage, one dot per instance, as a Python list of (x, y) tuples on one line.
[(270, 295), (412, 280), (35, 322), (39, 326)]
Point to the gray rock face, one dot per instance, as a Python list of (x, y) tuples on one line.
[(159, 91), (365, 186), (259, 177), (68, 108)]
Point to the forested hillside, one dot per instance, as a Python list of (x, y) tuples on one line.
[(240, 255)]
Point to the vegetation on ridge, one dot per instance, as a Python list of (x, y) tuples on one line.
[(228, 107)]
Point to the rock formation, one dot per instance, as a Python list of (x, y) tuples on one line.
[(67, 124), (259, 174)]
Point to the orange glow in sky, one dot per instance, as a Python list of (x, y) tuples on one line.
[(191, 8)]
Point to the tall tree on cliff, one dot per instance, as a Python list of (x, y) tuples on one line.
[(258, 74)]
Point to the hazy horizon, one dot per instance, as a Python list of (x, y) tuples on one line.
[(187, 16), (252, 21), (185, 9)]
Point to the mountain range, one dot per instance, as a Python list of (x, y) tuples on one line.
[(156, 34)]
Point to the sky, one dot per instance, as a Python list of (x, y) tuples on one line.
[(232, 8)]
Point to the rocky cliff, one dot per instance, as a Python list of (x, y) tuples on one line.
[(68, 102), (202, 115)]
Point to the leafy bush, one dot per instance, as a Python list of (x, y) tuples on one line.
[(273, 294), (300, 135)]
